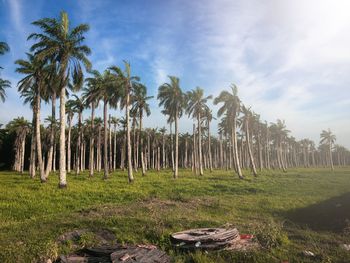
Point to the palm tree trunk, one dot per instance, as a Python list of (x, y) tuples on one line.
[(62, 176), (141, 146), (200, 144), (235, 149), (38, 139), (330, 156), (32, 150), (69, 151), (127, 114), (194, 149), (115, 148), (105, 150), (52, 136), (176, 144), (209, 149), (92, 141), (163, 146), (172, 148), (110, 144), (251, 157)]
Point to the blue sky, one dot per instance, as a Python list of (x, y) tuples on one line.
[(290, 59)]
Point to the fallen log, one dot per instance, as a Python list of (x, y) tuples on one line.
[(204, 238)]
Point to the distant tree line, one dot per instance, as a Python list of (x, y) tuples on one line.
[(53, 69)]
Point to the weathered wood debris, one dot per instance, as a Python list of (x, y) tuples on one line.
[(213, 239), (106, 249), (118, 254)]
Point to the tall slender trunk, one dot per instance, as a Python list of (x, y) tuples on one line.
[(194, 150), (251, 157), (69, 151), (330, 156), (115, 148), (105, 148), (92, 141), (200, 144), (52, 136), (235, 149), (172, 148), (32, 150), (62, 177), (186, 150), (176, 144), (78, 147), (209, 149), (163, 146), (110, 144), (135, 143), (127, 114), (98, 153), (38, 138), (141, 145)]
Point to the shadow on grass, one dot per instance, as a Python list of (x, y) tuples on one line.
[(330, 215)]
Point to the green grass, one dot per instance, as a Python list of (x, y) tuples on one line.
[(304, 209)]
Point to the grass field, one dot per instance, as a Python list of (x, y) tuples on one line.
[(304, 209)]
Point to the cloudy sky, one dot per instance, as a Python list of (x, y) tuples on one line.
[(290, 58)]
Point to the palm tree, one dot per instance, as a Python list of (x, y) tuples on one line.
[(3, 83), (29, 98), (127, 81), (92, 95), (247, 119), (209, 117), (105, 89), (4, 48), (62, 44), (163, 131), (114, 122), (70, 114), (279, 133), (139, 108), (52, 84), (77, 105), (196, 106), (35, 72), (21, 127), (172, 99), (328, 138), (231, 107)]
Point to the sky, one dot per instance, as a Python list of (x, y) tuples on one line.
[(289, 58)]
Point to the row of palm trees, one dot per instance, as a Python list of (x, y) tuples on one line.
[(55, 66)]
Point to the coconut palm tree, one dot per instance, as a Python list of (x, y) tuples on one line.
[(36, 73), (163, 131), (63, 45), (231, 107), (172, 99), (3, 83), (114, 122), (4, 48), (328, 138), (21, 127), (92, 94), (140, 107), (29, 98), (105, 89), (209, 117), (127, 81), (70, 114), (247, 119), (77, 105), (196, 106)]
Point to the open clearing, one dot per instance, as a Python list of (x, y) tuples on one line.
[(304, 209)]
